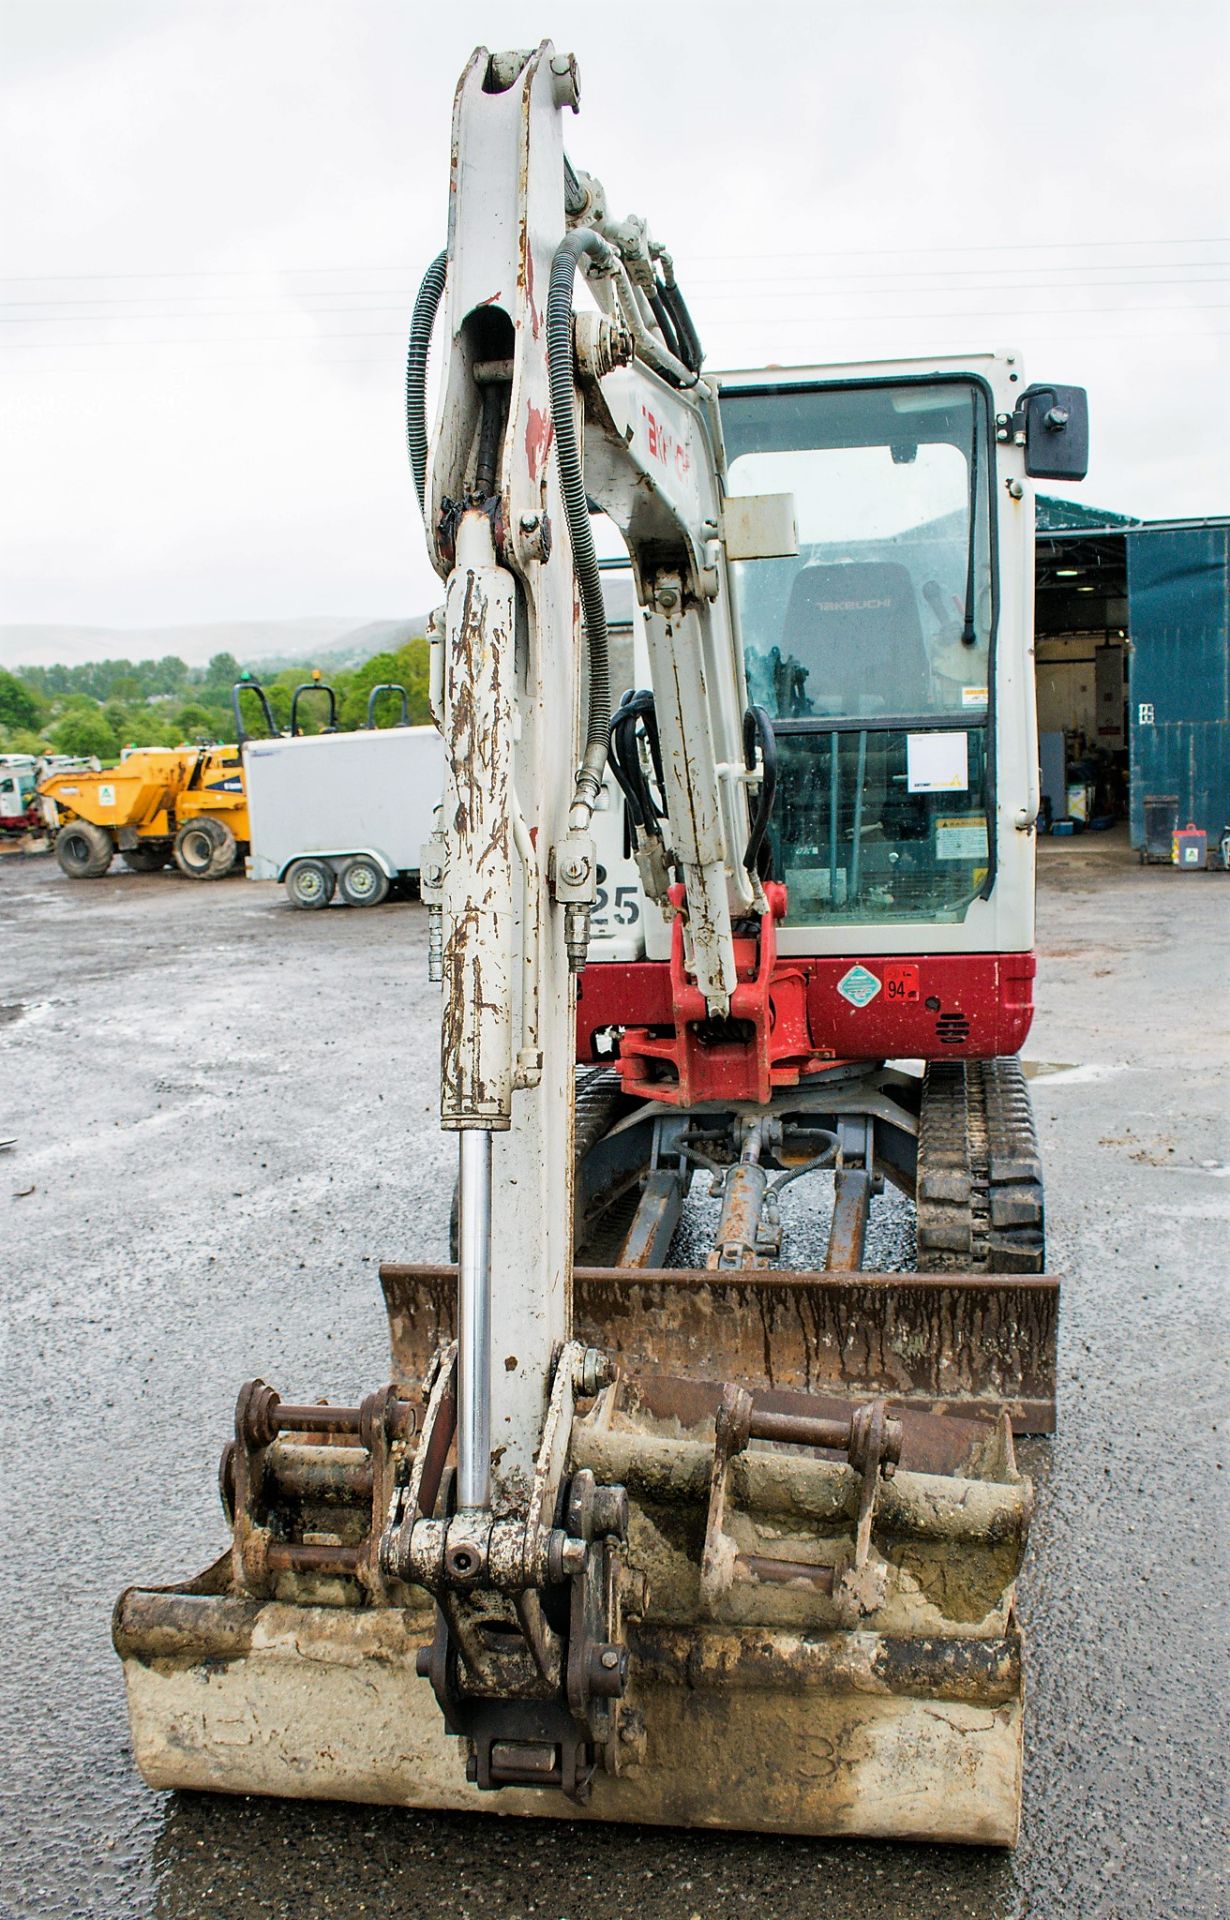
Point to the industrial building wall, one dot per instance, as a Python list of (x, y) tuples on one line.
[(1179, 701)]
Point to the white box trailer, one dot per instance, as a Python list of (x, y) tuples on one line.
[(342, 812)]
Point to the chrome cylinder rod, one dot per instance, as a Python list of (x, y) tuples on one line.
[(474, 1319)]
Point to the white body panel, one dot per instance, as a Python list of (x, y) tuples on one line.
[(341, 793)]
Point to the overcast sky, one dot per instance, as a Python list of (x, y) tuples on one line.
[(215, 217)]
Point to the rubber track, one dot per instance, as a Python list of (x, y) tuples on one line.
[(600, 1097), (979, 1197), (600, 1102)]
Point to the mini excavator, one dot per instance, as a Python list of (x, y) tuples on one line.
[(731, 1544)]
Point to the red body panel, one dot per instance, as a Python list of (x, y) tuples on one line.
[(766, 1042), (962, 1005)]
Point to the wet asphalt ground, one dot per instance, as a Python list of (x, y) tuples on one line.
[(223, 1115)]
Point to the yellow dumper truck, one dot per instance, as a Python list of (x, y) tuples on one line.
[(159, 804)]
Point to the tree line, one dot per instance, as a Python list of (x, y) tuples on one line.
[(107, 705)]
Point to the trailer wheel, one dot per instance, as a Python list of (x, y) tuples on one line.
[(146, 858), (205, 849), (363, 883), (310, 884), (83, 850)]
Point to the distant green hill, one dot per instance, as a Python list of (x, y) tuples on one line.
[(375, 636), (129, 695)]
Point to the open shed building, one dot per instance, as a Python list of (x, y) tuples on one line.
[(1132, 629)]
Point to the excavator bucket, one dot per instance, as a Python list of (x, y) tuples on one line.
[(814, 1646)]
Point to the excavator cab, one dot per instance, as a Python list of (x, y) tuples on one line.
[(871, 649)]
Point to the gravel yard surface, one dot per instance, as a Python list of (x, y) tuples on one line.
[(224, 1116)]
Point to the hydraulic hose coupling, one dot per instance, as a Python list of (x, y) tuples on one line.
[(576, 935), (574, 865)]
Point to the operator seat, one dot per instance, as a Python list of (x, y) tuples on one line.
[(855, 627)]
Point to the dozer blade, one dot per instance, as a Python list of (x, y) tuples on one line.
[(972, 1344), (813, 1649)]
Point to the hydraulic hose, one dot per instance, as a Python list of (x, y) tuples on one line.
[(637, 710), (690, 350), (653, 352), (666, 326), (758, 729), (625, 778), (489, 432), (421, 324), (574, 192), (582, 240)]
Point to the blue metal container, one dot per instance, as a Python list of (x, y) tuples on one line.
[(1179, 700)]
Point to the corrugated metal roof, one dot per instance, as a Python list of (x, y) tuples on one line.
[(1070, 516)]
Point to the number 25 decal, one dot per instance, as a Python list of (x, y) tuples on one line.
[(627, 906)]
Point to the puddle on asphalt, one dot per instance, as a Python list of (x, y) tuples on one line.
[(14, 1011)]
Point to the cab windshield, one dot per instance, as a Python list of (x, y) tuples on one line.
[(871, 648)]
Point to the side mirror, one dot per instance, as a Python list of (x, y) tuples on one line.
[(1053, 424)]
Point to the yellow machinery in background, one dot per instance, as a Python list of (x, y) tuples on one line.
[(159, 804)]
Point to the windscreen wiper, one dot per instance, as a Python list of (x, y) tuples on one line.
[(969, 635)]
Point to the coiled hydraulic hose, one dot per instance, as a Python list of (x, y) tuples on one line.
[(421, 324), (582, 240)]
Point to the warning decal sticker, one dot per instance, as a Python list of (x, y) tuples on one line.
[(859, 986), (960, 837)]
